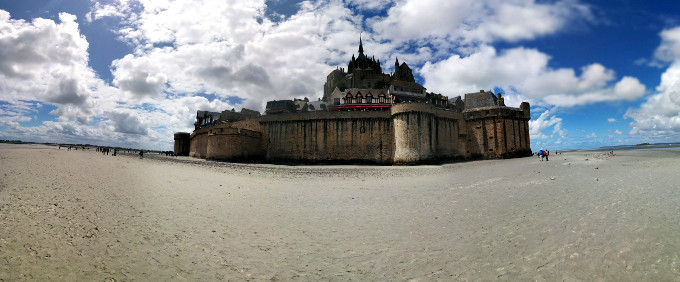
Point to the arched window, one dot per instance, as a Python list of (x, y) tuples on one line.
[(359, 98), (369, 98)]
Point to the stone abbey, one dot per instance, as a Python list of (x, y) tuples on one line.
[(365, 116)]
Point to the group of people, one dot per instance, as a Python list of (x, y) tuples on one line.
[(106, 150), (543, 153), (71, 147)]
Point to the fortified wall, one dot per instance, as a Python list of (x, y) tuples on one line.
[(234, 141), (407, 133), (329, 137), (498, 131)]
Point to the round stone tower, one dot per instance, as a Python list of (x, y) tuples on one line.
[(182, 141)]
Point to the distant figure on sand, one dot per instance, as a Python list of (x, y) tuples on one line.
[(141, 154), (547, 153), (541, 153)]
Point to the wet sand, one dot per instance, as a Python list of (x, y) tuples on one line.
[(78, 215)]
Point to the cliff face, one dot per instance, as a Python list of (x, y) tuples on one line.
[(408, 133)]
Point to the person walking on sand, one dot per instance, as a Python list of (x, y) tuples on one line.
[(141, 154), (542, 154), (547, 153)]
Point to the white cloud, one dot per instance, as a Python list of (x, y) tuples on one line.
[(45, 61), (234, 51), (477, 21), (117, 9), (526, 72), (611, 120), (139, 77), (546, 120), (658, 118), (669, 49), (370, 4), (127, 122), (629, 88)]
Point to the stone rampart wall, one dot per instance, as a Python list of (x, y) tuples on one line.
[(498, 136), (423, 133), (199, 143), (252, 124), (406, 134), (325, 115), (182, 143), (234, 144), (329, 137), (240, 140)]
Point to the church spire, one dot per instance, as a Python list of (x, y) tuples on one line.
[(361, 45)]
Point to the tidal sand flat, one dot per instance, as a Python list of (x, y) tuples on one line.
[(80, 215)]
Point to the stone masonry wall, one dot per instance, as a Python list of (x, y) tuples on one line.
[(329, 137), (408, 133), (228, 144), (423, 133), (234, 144), (199, 143), (182, 143), (498, 132)]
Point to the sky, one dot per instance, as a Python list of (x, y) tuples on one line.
[(131, 73)]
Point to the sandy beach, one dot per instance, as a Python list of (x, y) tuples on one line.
[(80, 215)]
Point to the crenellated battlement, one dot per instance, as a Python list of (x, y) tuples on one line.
[(495, 111)]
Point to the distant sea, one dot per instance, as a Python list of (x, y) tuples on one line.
[(665, 146)]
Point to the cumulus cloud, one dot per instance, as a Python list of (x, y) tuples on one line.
[(669, 50), (46, 61), (43, 61), (127, 122), (370, 4), (526, 72), (116, 9), (546, 120), (629, 88), (69, 91), (138, 77), (611, 120), (234, 50), (477, 21), (659, 116)]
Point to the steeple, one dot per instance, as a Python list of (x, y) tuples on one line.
[(361, 46)]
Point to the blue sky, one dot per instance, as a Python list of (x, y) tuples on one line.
[(131, 73)]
